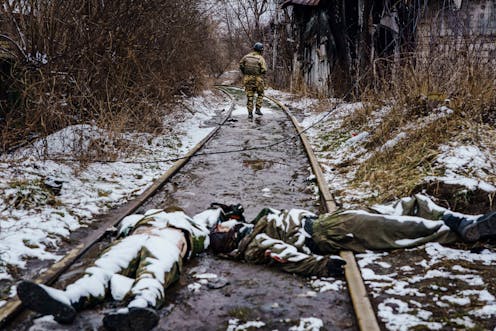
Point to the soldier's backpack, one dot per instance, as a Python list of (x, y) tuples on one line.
[(252, 65)]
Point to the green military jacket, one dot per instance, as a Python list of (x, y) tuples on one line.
[(253, 64), (278, 237)]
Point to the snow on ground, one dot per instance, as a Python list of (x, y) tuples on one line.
[(325, 284), (43, 199), (308, 324), (237, 325), (443, 281), (467, 165), (410, 296)]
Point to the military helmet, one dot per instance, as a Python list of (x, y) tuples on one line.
[(258, 47)]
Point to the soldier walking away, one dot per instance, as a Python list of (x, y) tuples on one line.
[(253, 68)]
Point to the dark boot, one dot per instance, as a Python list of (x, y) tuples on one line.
[(250, 116), (484, 226), (132, 319), (452, 221), (472, 230), (46, 301), (335, 266), (258, 112)]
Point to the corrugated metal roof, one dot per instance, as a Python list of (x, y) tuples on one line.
[(300, 2)]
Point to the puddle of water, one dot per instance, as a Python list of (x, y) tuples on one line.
[(256, 165)]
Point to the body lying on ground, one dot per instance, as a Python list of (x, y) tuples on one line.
[(136, 269), (301, 242)]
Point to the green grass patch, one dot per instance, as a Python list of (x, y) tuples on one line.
[(333, 140), (241, 313)]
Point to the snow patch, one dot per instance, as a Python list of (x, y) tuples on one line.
[(308, 324)]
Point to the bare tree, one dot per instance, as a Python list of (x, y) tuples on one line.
[(248, 17)]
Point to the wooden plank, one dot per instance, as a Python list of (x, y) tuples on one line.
[(364, 312)]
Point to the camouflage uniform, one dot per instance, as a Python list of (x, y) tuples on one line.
[(253, 67), (300, 243), (408, 223), (147, 254), (278, 237)]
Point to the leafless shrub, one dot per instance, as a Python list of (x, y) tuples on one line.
[(113, 63)]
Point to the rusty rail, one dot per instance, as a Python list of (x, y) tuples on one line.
[(14, 307), (364, 312)]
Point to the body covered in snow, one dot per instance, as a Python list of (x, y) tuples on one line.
[(146, 259)]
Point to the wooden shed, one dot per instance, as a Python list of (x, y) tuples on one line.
[(340, 45), (458, 28)]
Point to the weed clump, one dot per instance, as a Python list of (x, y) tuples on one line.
[(424, 105), (117, 65), (30, 194)]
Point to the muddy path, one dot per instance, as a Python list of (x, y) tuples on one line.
[(275, 177), (217, 294)]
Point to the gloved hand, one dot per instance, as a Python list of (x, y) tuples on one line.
[(335, 266), (229, 211)]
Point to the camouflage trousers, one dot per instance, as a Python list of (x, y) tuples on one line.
[(136, 269), (253, 84)]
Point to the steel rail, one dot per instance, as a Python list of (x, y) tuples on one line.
[(363, 309), (14, 307), (364, 312)]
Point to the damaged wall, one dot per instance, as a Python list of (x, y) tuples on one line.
[(459, 29), (313, 60), (336, 40), (343, 45), (322, 60)]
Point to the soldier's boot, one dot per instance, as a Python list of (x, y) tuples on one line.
[(335, 265), (258, 112), (472, 230), (46, 300), (250, 115), (131, 319)]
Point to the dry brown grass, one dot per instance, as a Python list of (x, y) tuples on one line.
[(116, 64), (397, 171), (464, 84)]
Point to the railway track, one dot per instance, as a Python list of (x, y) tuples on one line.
[(182, 184)]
